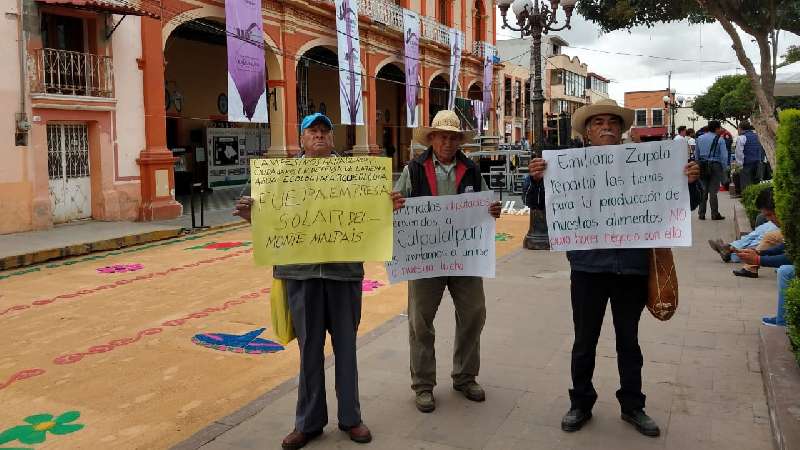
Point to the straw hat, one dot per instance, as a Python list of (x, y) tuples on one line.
[(607, 106), (445, 120)]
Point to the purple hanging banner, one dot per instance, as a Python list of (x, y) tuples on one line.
[(488, 78), (478, 112), (455, 65), (247, 93), (349, 50), (411, 27)]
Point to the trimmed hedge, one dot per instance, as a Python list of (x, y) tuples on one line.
[(787, 181), (787, 206), (749, 197), (792, 305)]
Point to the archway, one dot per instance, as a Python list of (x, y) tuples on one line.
[(393, 136), (438, 93), (475, 92), (318, 91), (210, 149)]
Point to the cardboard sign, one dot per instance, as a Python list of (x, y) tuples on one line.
[(318, 210), (449, 235), (618, 196)]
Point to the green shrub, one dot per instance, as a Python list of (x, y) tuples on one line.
[(792, 305), (787, 206), (749, 197), (787, 181)]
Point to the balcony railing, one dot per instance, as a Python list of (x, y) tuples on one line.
[(391, 15), (385, 13), (478, 48), (71, 73)]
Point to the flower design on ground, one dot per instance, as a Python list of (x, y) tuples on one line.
[(220, 245), (35, 432), (502, 237), (370, 285), (120, 268)]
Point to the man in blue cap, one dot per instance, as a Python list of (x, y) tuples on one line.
[(323, 297)]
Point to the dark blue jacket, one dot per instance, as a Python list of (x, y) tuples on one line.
[(628, 261), (775, 256), (753, 150)]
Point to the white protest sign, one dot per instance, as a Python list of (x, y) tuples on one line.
[(450, 235), (618, 196)]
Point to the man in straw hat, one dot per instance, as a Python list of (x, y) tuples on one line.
[(443, 169), (620, 275)]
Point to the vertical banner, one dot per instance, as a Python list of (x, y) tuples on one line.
[(488, 77), (455, 66), (247, 93), (411, 27), (349, 49), (478, 112)]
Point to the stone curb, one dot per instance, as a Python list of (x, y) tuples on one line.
[(40, 256), (740, 220), (781, 376)]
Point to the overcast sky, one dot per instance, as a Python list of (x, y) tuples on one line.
[(707, 42)]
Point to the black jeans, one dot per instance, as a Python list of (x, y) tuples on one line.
[(750, 174), (590, 294)]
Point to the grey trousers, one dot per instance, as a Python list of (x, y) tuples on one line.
[(711, 182), (424, 297), (318, 305)]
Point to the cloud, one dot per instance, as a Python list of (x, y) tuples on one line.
[(679, 40)]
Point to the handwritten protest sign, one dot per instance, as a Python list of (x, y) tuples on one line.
[(618, 196), (315, 210), (451, 235)]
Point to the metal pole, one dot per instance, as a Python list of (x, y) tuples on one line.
[(537, 238), (191, 202)]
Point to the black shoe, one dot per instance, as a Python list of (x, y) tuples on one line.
[(702, 217), (643, 423), (574, 419), (717, 217), (745, 273)]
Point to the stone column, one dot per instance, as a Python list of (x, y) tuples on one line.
[(155, 160)]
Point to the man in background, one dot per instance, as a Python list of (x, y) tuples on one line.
[(749, 155), (712, 155)]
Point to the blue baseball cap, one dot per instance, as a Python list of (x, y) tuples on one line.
[(313, 119)]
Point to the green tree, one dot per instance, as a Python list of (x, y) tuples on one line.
[(729, 99), (762, 20), (792, 55)]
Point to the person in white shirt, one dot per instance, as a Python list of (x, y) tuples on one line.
[(739, 146), (691, 141), (681, 136)]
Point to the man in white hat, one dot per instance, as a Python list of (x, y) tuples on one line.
[(443, 169), (618, 275)]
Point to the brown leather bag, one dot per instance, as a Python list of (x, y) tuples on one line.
[(662, 295)]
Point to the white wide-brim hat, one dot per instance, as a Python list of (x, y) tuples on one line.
[(445, 120), (606, 106)]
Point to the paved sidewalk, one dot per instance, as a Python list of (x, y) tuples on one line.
[(93, 231), (701, 373)]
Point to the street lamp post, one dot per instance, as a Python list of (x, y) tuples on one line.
[(671, 105), (534, 18), (693, 119)]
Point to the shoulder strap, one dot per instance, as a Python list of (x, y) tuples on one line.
[(714, 152)]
